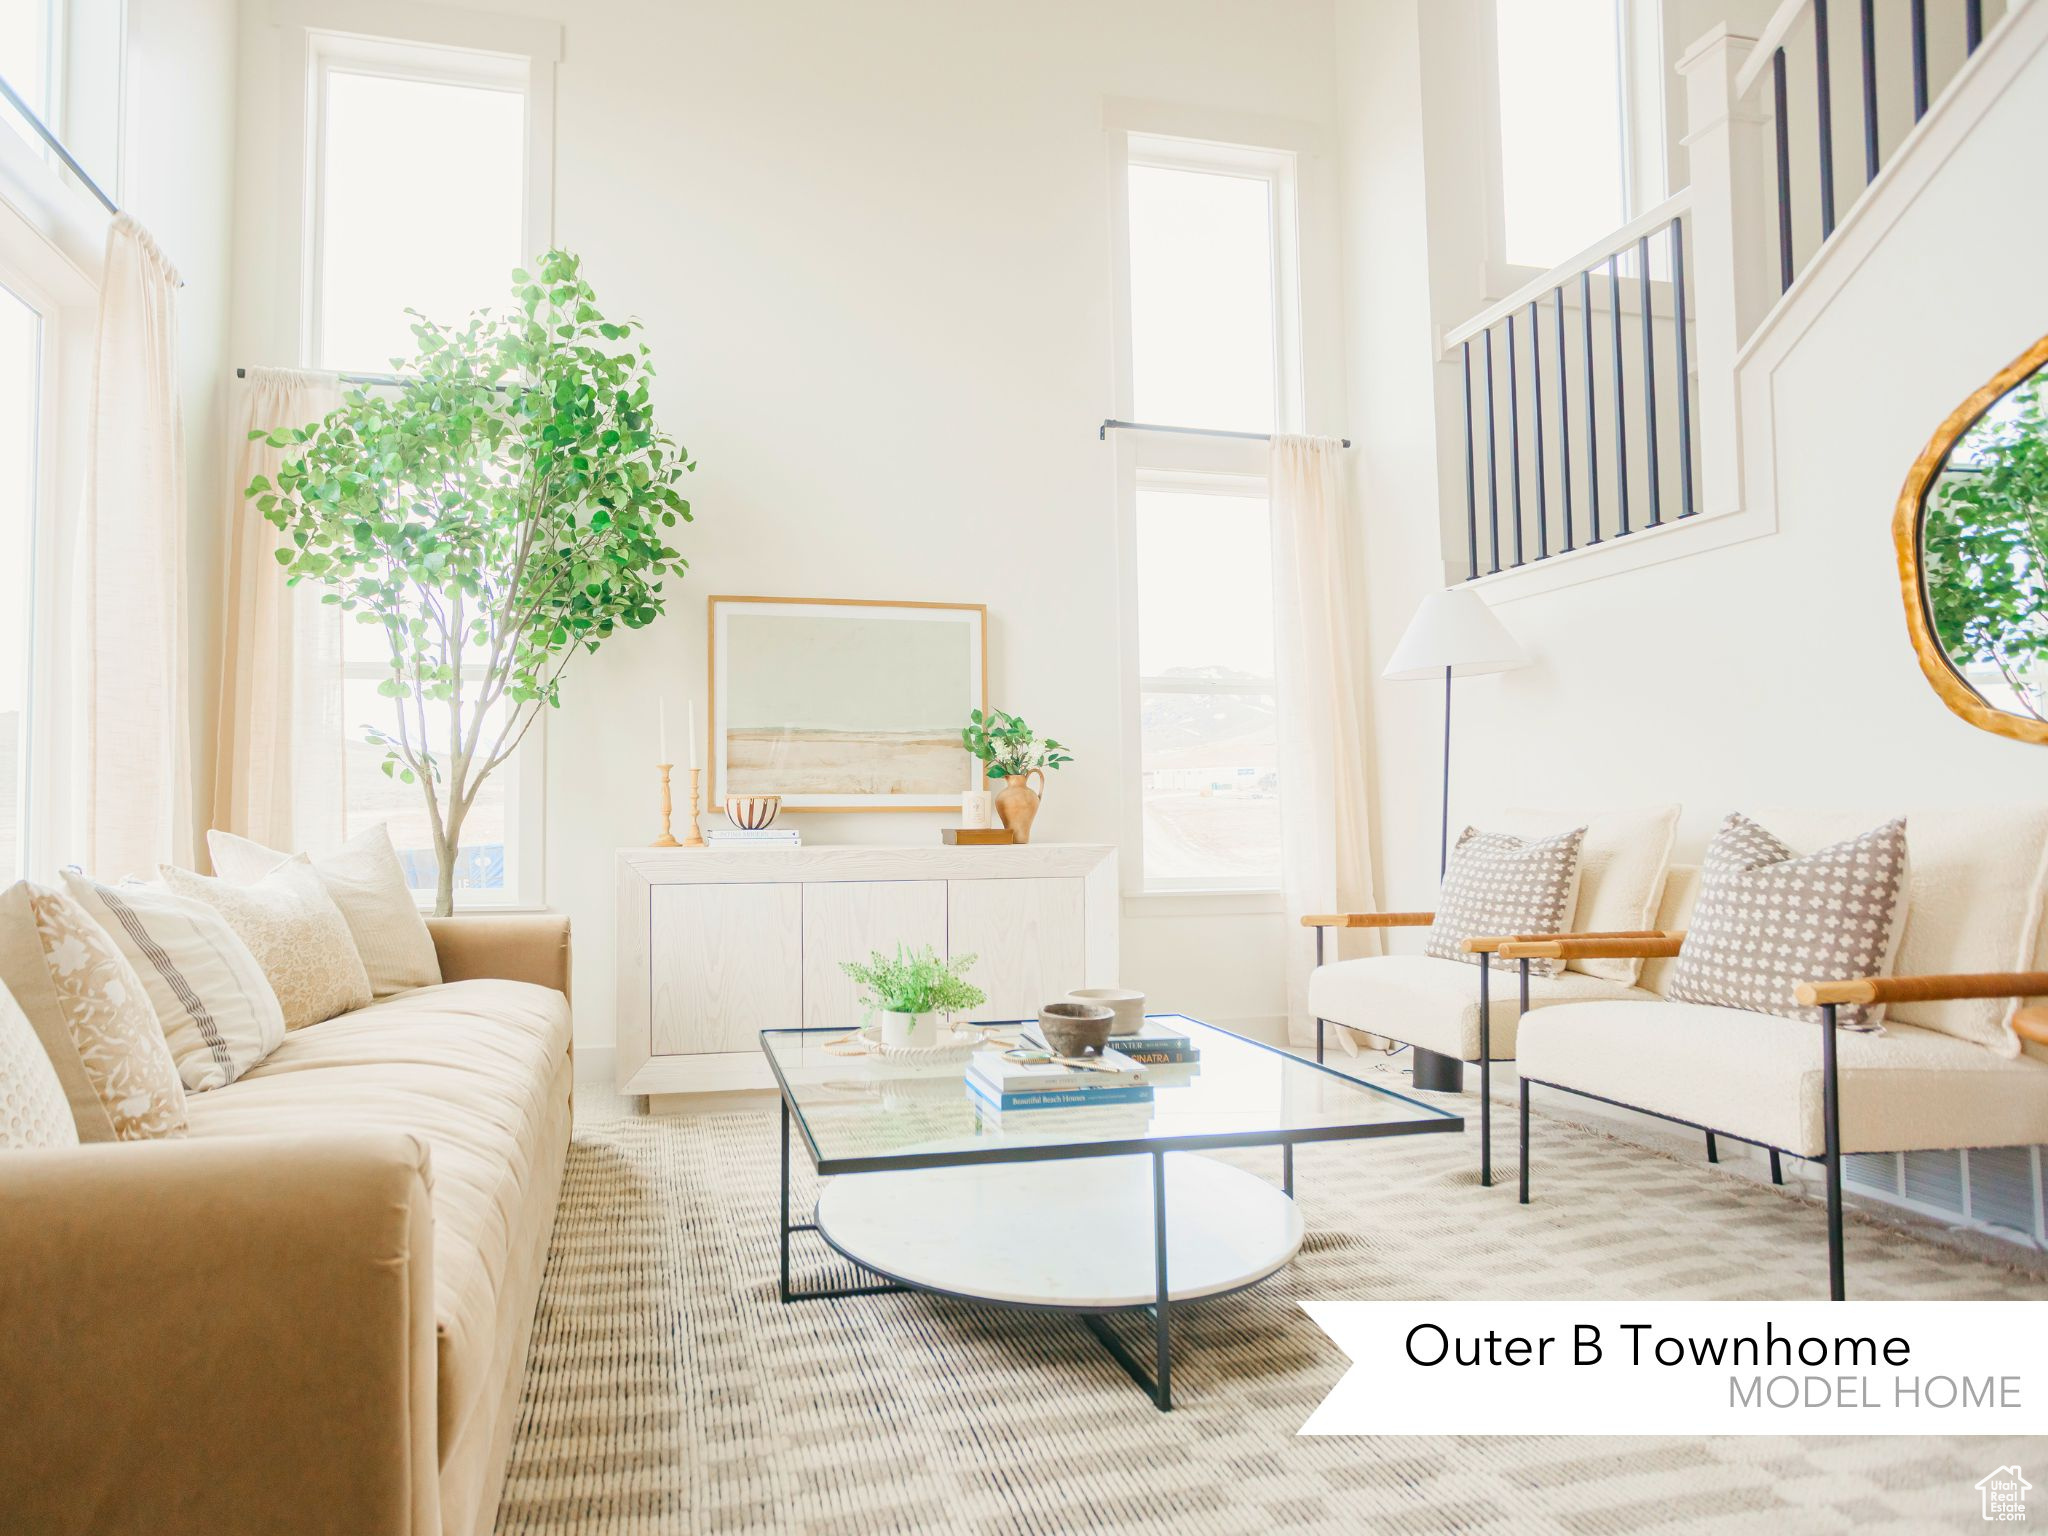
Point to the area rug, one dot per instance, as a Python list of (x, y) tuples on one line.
[(668, 1391)]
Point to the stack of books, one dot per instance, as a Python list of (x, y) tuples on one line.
[(767, 837), (1003, 1085)]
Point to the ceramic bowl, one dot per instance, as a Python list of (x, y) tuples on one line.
[(750, 813), (1075, 1029), (1127, 1005)]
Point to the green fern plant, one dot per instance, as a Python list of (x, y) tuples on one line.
[(916, 981)]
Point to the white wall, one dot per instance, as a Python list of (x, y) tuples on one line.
[(1771, 672), (871, 245)]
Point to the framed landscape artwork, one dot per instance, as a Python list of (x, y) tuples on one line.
[(838, 704)]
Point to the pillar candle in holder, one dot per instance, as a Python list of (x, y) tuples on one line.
[(974, 808)]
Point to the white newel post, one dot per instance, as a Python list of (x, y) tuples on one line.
[(1732, 284)]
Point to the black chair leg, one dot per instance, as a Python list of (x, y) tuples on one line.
[(1525, 1141), (1777, 1168), (1713, 1149), (1831, 1126), (1485, 1082)]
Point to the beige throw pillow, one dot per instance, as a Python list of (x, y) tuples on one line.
[(1497, 884), (33, 1112), (211, 998), (296, 933), (92, 1014), (1767, 919), (368, 884), (1622, 865)]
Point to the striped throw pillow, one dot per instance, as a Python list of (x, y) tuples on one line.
[(215, 1006)]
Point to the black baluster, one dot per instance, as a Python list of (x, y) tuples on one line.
[(1514, 443), (1649, 381), (1536, 397), (1869, 35), (1973, 23), (1564, 424), (1471, 484), (1620, 398), (1824, 106), (1685, 506), (1492, 473), (1784, 172), (1592, 414), (1919, 59)]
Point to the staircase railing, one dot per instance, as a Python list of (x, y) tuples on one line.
[(1594, 393)]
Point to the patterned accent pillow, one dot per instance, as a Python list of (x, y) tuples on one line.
[(90, 1011), (211, 998), (368, 883), (296, 933), (33, 1111), (1767, 919), (1501, 884)]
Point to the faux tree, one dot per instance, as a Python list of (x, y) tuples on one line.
[(1985, 547), (507, 506)]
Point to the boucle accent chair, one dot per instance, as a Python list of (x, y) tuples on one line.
[(1455, 1011), (311, 1313), (1957, 1066)]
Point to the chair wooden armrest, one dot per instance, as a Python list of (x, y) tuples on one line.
[(1649, 947), (1368, 920), (1925, 989), (2031, 1024), (1490, 943)]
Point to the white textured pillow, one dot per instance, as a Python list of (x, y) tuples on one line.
[(296, 933), (33, 1109), (1622, 865), (212, 1000), (367, 882)]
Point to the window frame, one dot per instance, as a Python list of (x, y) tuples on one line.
[(1198, 462), (450, 45), (1643, 66)]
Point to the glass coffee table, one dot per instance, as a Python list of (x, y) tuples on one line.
[(957, 1200)]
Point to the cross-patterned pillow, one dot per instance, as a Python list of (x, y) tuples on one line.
[(1767, 919), (1497, 884)]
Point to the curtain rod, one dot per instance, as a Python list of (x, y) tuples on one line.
[(390, 380), (1113, 425), (43, 132)]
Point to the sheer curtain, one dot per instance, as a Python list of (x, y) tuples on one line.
[(278, 774), (135, 727), (1325, 836)]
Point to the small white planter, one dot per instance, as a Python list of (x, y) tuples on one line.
[(907, 1031)]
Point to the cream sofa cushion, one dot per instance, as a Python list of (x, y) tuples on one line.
[(295, 931), (1623, 861), (91, 1013), (1421, 1000), (211, 998), (33, 1112), (368, 884), (1974, 902), (480, 1072), (1758, 1076)]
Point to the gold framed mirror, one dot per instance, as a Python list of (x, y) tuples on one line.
[(1971, 532)]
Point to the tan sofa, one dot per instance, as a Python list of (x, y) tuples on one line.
[(310, 1316)]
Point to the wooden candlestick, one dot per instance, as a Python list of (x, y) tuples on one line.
[(667, 805), (692, 838)]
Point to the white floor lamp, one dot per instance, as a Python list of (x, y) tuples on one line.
[(1453, 632)]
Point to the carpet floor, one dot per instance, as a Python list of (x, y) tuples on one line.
[(668, 1391)]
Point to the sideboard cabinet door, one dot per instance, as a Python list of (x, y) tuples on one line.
[(850, 920), (1026, 937), (728, 962)]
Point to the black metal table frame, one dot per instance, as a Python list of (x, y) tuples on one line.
[(1155, 1378)]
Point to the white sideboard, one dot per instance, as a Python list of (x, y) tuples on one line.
[(716, 945)]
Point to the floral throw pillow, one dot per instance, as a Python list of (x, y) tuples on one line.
[(296, 933), (93, 1016)]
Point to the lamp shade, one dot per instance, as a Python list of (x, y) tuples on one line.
[(1454, 628)]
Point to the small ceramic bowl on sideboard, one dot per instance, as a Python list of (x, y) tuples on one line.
[(750, 813)]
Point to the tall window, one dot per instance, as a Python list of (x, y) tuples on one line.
[(1581, 122), (28, 57), (392, 229), (20, 413), (1213, 343)]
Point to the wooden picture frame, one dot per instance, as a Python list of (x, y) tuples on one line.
[(876, 683), (1941, 671)]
